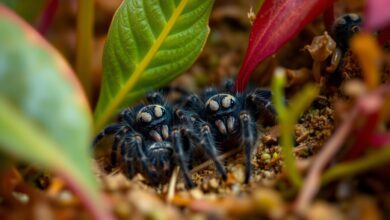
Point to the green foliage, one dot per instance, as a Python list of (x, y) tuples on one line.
[(27, 9), (288, 117), (372, 160), (149, 44), (44, 118), (85, 22)]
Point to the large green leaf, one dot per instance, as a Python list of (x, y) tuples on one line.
[(44, 116), (150, 42), (28, 9)]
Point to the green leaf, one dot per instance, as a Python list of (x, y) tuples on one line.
[(374, 159), (288, 117), (27, 9), (150, 42), (44, 116)]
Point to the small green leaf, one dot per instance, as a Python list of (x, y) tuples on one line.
[(150, 42), (288, 117), (44, 116), (29, 10), (374, 159)]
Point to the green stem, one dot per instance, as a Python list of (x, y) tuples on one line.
[(84, 45), (357, 166), (286, 126)]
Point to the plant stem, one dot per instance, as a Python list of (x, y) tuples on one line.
[(47, 17), (92, 201), (84, 45), (287, 127), (312, 181), (375, 159)]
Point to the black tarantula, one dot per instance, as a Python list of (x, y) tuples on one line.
[(344, 28), (157, 136)]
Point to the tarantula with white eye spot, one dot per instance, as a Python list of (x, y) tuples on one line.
[(144, 134), (157, 136), (221, 119)]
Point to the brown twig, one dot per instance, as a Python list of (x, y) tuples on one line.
[(210, 162), (172, 184)]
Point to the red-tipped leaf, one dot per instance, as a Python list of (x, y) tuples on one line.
[(276, 23), (377, 14), (384, 35)]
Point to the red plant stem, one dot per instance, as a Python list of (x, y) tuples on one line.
[(312, 182), (96, 209), (364, 135), (47, 18), (368, 106), (379, 140)]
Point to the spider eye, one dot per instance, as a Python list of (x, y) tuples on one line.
[(213, 105), (355, 29), (340, 21), (227, 101), (354, 17), (144, 117), (158, 111)]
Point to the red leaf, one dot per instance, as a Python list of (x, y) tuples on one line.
[(380, 140), (364, 136), (47, 16), (384, 35), (377, 14), (277, 22)]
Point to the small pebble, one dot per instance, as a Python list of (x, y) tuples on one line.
[(196, 193), (236, 188), (267, 174), (265, 156), (322, 211), (269, 140), (239, 174), (21, 197), (214, 183), (122, 210), (65, 197)]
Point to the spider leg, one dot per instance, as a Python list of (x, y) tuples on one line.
[(262, 99), (187, 129), (259, 104), (208, 145), (155, 97), (136, 143), (181, 157), (208, 92), (248, 137), (128, 154), (117, 139), (191, 102), (206, 141), (228, 85), (109, 130)]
